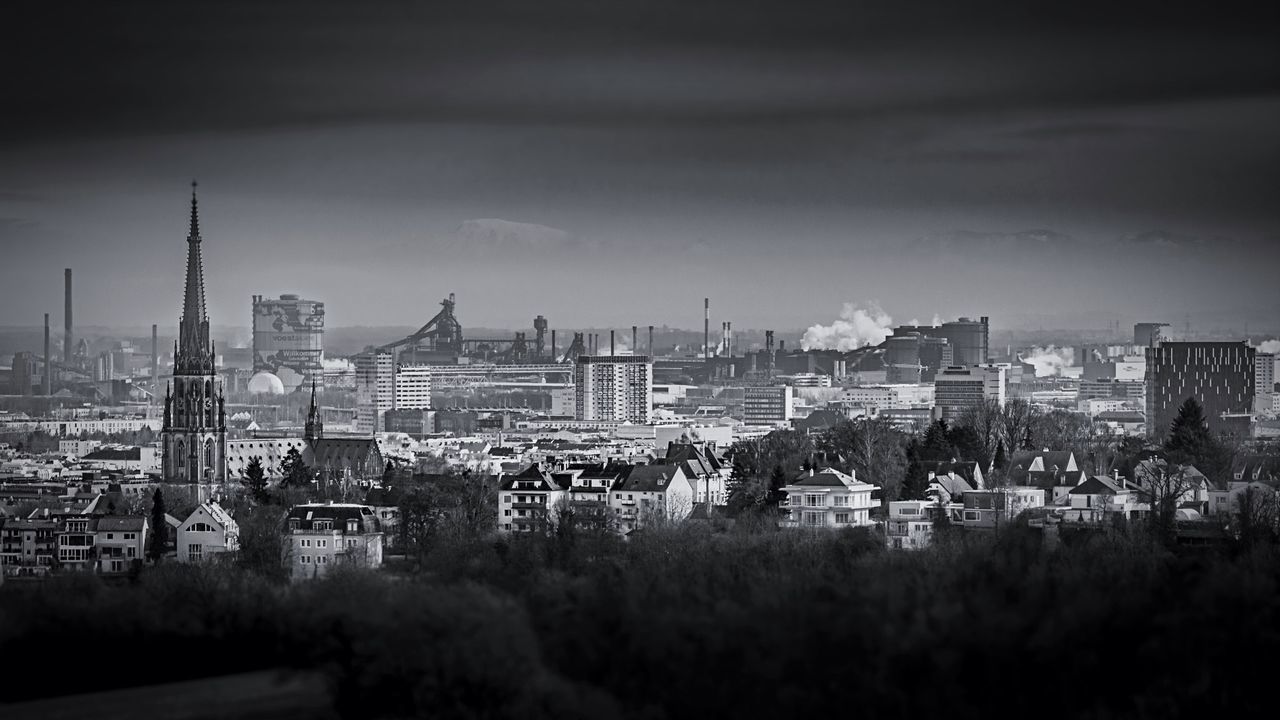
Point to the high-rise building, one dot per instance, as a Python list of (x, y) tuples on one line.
[(1264, 382), (957, 388), (613, 388), (412, 388), (1219, 375), (288, 340), (767, 405), (194, 434), (375, 389)]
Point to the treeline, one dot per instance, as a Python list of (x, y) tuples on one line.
[(680, 622)]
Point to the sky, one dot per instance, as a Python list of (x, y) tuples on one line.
[(612, 163)]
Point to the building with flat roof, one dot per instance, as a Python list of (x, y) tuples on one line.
[(616, 388), (1219, 375), (770, 405), (958, 388)]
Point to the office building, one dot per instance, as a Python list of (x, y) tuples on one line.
[(288, 340), (1219, 375), (767, 405), (1264, 381), (957, 388), (811, 380), (613, 388), (889, 397)]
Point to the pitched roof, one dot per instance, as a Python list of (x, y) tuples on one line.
[(121, 523), (1096, 485), (828, 477), (650, 478)]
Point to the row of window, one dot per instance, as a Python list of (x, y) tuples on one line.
[(320, 560)]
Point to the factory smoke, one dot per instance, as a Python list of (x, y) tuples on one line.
[(1049, 361), (857, 327), (1271, 347)]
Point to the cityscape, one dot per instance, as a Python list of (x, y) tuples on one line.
[(811, 442)]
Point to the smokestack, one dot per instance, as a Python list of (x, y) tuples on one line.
[(553, 346), (635, 349), (650, 341), (155, 364), (66, 340), (48, 366), (706, 329), (611, 350), (728, 329)]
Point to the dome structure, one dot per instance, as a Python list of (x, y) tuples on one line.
[(265, 383)]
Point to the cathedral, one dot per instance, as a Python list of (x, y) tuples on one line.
[(195, 430)]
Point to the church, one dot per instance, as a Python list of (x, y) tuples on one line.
[(194, 434)]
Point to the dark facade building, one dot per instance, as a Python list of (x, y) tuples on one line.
[(194, 434), (1219, 375)]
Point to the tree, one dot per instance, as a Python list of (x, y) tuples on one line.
[(295, 472), (870, 448), (159, 528), (255, 479), (1164, 484), (985, 421), (1190, 442), (762, 467)]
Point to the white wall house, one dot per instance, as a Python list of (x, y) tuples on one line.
[(323, 535), (650, 494), (208, 531), (828, 498), (909, 526)]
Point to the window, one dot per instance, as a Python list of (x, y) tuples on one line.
[(909, 511), (506, 499), (842, 518), (351, 542), (322, 559), (200, 527), (195, 553), (506, 513), (111, 536), (322, 543), (971, 515), (840, 501), (304, 543), (814, 501), (305, 559), (815, 519)]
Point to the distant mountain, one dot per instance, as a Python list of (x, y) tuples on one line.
[(971, 241), (497, 235)]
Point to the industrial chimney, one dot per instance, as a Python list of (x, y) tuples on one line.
[(611, 350), (66, 340), (650, 341), (635, 349), (706, 329), (48, 365), (553, 346)]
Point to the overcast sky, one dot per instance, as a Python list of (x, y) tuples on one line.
[(613, 162)]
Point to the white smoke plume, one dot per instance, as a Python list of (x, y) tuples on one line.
[(857, 327), (1270, 346), (1050, 361)]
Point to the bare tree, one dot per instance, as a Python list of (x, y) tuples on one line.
[(1164, 485)]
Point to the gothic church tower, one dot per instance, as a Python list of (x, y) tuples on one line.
[(195, 428)]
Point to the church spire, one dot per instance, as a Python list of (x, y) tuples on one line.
[(314, 428), (195, 351)]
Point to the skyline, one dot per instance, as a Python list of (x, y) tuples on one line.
[(904, 157)]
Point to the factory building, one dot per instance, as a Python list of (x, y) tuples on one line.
[(957, 388), (1147, 334), (889, 397), (767, 405), (960, 343), (613, 388), (1219, 375), (288, 340)]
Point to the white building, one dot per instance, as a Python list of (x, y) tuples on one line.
[(208, 531), (909, 526), (532, 500), (889, 397), (616, 388), (811, 380), (767, 405), (957, 388), (77, 448), (324, 535), (412, 388), (829, 498), (650, 494)]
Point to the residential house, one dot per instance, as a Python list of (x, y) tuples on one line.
[(208, 532), (828, 498), (322, 535), (909, 525), (27, 546), (988, 509), (1101, 497), (967, 472), (1053, 471), (708, 472), (119, 542), (531, 501), (649, 494)]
